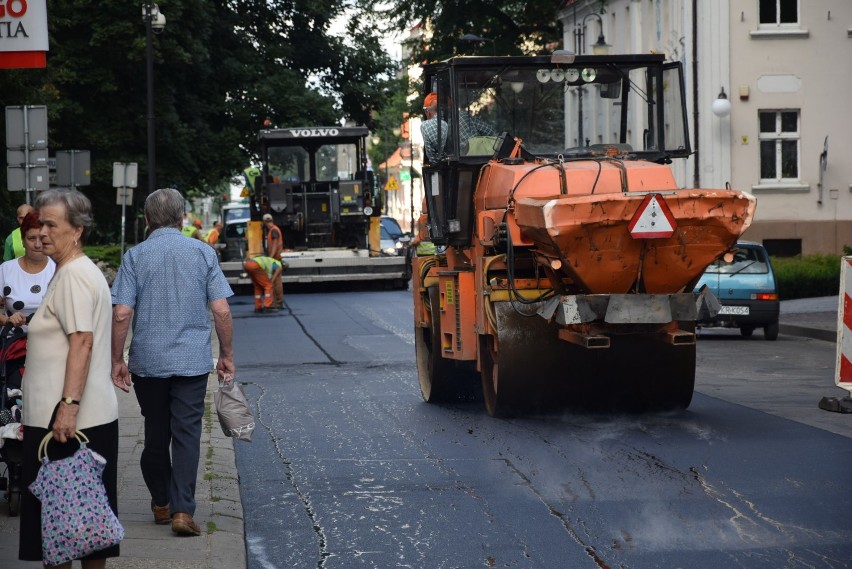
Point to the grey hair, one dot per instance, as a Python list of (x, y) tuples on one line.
[(164, 208), (78, 208)]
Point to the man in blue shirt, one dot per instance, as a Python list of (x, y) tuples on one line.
[(166, 284)]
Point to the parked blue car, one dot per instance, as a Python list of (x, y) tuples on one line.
[(747, 289)]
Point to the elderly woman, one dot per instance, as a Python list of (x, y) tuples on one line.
[(23, 281), (67, 385)]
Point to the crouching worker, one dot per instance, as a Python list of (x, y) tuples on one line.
[(264, 272)]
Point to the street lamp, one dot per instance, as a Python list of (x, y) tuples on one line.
[(721, 106), (476, 38), (599, 48), (155, 21)]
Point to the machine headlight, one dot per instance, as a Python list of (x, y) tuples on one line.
[(398, 245)]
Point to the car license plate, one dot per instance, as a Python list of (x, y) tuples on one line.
[(734, 310)]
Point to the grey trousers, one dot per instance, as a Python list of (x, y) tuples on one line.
[(173, 408)]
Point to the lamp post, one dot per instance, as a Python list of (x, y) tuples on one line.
[(599, 48), (404, 146), (397, 130), (411, 180), (155, 21)]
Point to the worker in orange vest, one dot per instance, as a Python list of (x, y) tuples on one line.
[(263, 271), (274, 247), (213, 234)]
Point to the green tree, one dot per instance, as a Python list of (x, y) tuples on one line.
[(385, 121), (515, 27), (221, 69)]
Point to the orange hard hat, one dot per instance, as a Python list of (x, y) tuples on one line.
[(197, 223), (431, 100)]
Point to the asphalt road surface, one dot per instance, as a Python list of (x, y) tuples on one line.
[(349, 468)]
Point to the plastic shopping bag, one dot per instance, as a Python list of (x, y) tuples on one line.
[(233, 410)]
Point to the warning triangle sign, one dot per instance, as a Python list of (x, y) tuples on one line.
[(653, 219), (392, 184)]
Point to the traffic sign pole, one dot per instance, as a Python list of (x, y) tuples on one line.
[(124, 180), (26, 149)]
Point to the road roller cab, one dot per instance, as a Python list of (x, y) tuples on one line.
[(570, 251)]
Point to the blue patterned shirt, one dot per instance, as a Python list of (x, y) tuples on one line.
[(168, 280)]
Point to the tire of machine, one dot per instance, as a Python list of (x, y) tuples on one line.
[(490, 378), (519, 366), (527, 367), (504, 394), (666, 375), (440, 381)]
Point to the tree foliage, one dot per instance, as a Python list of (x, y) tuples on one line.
[(512, 27), (221, 68), (386, 120)]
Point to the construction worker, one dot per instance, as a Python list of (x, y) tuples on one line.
[(421, 243), (263, 272), (432, 128), (213, 234), (193, 230), (274, 247), (274, 238), (14, 246)]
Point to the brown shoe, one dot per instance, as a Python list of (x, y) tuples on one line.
[(161, 514), (183, 524)]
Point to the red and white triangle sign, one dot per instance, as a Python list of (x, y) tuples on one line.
[(653, 219)]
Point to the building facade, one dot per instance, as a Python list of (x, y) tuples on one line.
[(784, 131)]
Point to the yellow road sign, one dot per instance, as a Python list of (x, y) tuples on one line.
[(392, 184)]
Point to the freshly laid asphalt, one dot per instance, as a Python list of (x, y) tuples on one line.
[(219, 509)]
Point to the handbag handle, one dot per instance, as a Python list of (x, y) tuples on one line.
[(42, 447)]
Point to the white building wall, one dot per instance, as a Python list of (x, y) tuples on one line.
[(733, 53), (665, 26), (714, 146), (808, 69)]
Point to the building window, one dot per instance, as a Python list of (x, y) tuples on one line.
[(779, 146), (783, 247), (779, 13)]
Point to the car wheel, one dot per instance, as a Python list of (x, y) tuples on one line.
[(770, 331), (746, 331)]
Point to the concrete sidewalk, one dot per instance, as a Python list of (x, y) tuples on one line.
[(810, 317), (148, 546)]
